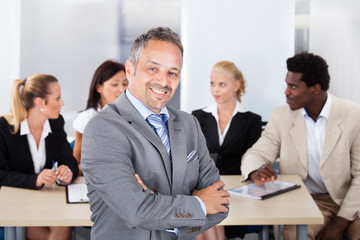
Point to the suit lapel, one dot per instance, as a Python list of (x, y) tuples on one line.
[(236, 126), (212, 135), (298, 136), (178, 152), (333, 130), (130, 114)]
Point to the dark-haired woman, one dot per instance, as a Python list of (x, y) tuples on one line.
[(108, 83), (32, 139)]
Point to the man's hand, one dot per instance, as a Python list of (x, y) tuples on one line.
[(263, 174), (334, 230), (213, 198), (138, 179)]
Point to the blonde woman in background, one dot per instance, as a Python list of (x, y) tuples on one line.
[(32, 139), (108, 83), (229, 130)]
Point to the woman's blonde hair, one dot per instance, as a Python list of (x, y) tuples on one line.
[(23, 93), (231, 69)]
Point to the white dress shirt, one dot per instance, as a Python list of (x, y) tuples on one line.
[(315, 135), (213, 109), (38, 154)]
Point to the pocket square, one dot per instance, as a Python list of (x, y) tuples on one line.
[(192, 156)]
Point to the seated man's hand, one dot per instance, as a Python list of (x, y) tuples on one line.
[(334, 230), (213, 198), (263, 174)]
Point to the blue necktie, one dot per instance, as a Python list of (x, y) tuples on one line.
[(159, 127)]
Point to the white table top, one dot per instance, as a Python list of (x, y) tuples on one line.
[(45, 207), (48, 207), (294, 207)]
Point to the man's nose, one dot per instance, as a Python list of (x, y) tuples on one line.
[(287, 91), (163, 78)]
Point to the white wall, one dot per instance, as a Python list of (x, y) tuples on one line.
[(68, 39), (335, 35), (9, 49), (257, 35)]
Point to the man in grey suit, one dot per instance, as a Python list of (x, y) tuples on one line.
[(146, 165), (316, 136)]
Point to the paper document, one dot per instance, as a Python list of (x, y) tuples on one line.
[(76, 193), (264, 191)]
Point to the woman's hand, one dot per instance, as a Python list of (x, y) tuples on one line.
[(47, 177), (64, 174)]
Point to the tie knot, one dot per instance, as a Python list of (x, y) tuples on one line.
[(155, 120)]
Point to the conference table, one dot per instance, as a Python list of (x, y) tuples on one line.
[(295, 207), (48, 207)]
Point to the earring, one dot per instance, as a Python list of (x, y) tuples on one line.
[(41, 109)]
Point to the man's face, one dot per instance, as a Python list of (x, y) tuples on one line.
[(298, 95), (157, 74)]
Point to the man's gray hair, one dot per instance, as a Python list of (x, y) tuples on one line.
[(159, 33)]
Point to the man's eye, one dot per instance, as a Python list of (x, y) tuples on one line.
[(293, 87), (173, 74), (114, 84), (222, 84)]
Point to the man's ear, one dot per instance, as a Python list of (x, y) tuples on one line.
[(129, 69), (316, 88)]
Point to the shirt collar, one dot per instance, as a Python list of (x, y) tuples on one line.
[(144, 110), (24, 127), (325, 111), (213, 109)]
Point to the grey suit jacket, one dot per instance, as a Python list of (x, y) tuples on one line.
[(117, 143), (285, 137)]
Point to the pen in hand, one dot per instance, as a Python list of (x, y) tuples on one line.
[(55, 168)]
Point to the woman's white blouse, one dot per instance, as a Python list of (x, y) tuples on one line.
[(83, 118), (38, 154), (214, 111)]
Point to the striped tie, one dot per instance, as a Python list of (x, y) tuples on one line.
[(156, 122)]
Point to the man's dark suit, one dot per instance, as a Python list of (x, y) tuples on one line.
[(118, 143), (16, 165)]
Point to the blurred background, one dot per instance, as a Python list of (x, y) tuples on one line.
[(71, 38)]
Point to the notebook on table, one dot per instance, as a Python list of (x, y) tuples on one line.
[(268, 189), (76, 193)]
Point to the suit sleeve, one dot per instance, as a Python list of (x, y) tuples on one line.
[(350, 207), (13, 174), (265, 150), (208, 175)]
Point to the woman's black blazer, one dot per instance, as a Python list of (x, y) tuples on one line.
[(244, 130), (16, 165)]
